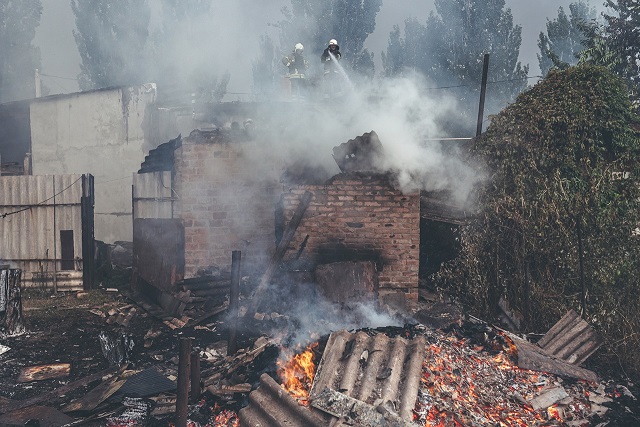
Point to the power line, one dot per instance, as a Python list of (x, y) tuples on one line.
[(59, 77), (4, 215), (489, 82)]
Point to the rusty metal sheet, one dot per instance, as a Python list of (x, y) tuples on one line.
[(158, 251), (342, 282), (271, 406), (44, 372), (571, 339), (373, 369)]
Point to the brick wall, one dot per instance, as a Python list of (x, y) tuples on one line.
[(225, 202), (361, 217)]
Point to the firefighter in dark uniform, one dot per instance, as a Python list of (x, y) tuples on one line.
[(297, 66), (329, 57)]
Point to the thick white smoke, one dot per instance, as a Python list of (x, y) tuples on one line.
[(404, 114)]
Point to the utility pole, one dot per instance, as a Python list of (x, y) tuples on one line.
[(483, 91), (38, 84)]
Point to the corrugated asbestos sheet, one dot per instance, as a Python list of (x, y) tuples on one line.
[(572, 339), (152, 195), (373, 369), (271, 406), (33, 210)]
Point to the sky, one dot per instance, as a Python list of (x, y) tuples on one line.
[(60, 57)]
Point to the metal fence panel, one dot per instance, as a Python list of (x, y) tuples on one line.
[(33, 211), (152, 195)]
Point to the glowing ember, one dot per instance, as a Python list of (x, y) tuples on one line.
[(226, 418), (465, 385), (296, 374)]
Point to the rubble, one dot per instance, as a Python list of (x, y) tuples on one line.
[(450, 372)]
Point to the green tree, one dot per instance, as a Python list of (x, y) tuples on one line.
[(616, 45), (449, 49), (314, 23), (18, 57), (265, 70), (111, 37), (565, 37), (558, 218)]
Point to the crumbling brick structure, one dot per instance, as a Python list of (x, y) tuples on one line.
[(361, 217), (224, 202)]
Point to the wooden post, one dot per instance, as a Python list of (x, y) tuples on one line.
[(195, 376), (234, 295), (184, 373), (583, 286), (483, 91), (11, 318)]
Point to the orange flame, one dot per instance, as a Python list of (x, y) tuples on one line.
[(297, 372)]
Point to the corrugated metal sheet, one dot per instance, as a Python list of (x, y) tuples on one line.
[(572, 339), (271, 406), (373, 369), (152, 195), (33, 210)]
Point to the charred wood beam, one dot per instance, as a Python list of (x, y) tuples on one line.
[(234, 295), (277, 256), (184, 374), (195, 376), (204, 286)]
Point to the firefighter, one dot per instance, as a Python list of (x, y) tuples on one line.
[(297, 67), (296, 62), (331, 53), (332, 83)]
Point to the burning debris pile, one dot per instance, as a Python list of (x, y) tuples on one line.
[(467, 376), (464, 375), (469, 381)]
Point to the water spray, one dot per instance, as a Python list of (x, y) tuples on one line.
[(341, 70)]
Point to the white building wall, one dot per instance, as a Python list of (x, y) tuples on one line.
[(104, 133)]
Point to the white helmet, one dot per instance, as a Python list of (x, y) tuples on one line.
[(333, 42), (299, 47)]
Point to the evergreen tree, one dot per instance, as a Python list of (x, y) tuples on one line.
[(175, 68), (565, 37), (557, 221), (450, 48), (111, 37), (265, 70), (313, 23), (18, 57)]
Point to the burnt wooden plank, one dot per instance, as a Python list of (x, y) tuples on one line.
[(96, 396), (44, 397), (44, 372), (44, 416)]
